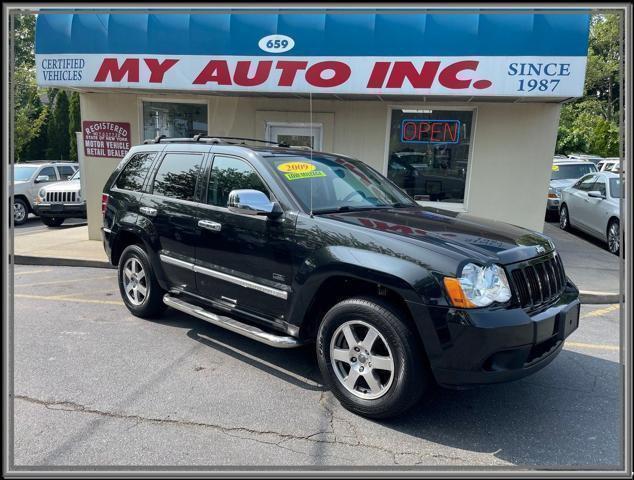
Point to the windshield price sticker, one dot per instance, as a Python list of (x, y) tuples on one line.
[(555, 168), (296, 167), (298, 175)]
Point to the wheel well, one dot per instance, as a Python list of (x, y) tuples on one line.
[(338, 288), (26, 200), (124, 239)]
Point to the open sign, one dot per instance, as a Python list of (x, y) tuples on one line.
[(430, 131)]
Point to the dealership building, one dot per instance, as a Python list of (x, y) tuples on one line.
[(460, 108)]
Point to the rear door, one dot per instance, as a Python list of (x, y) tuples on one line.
[(243, 261), (169, 212)]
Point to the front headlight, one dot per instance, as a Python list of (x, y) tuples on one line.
[(478, 286), (554, 192), (41, 193)]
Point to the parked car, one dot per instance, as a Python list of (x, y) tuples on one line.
[(609, 165), (29, 177), (60, 200), (564, 173), (592, 205), (584, 156), (289, 247)]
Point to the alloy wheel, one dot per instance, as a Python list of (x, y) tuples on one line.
[(135, 281), (614, 237), (563, 218), (19, 212), (362, 359)]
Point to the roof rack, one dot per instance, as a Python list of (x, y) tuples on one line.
[(212, 139)]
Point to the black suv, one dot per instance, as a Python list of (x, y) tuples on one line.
[(291, 246)]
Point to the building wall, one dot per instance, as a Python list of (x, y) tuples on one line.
[(509, 166)]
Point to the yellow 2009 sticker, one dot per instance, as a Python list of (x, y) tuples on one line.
[(297, 170), (555, 168)]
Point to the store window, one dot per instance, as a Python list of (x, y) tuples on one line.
[(429, 153), (174, 119)]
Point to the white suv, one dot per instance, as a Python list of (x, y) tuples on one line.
[(29, 178)]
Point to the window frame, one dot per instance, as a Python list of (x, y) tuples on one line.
[(207, 175), (451, 206)]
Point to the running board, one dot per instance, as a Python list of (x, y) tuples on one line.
[(244, 329)]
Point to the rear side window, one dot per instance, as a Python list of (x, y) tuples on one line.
[(65, 171), (177, 175), (231, 174), (134, 173)]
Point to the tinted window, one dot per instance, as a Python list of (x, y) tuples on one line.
[(50, 172), (65, 171), (599, 187), (134, 173), (231, 174), (177, 175), (563, 172), (585, 183)]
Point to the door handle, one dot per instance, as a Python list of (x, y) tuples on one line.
[(209, 225), (150, 212)]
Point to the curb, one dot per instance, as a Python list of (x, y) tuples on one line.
[(587, 296), (59, 262)]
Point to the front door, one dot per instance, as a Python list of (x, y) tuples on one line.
[(243, 262), (296, 134)]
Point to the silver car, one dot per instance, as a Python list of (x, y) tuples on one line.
[(592, 205), (564, 173)]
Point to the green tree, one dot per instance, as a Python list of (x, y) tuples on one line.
[(591, 123), (74, 124), (58, 142)]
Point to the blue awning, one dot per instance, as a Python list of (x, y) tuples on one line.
[(316, 33)]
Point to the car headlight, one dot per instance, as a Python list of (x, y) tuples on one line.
[(42, 193), (478, 286), (554, 192)]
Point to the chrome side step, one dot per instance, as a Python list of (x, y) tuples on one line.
[(250, 331)]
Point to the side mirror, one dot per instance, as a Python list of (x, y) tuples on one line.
[(42, 178), (252, 202), (596, 194)]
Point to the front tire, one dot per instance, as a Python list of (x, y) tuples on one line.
[(20, 211), (140, 290), (564, 218), (52, 221), (371, 359)]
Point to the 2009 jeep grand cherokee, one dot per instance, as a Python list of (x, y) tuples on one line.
[(289, 246)]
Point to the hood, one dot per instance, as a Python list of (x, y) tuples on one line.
[(63, 186), (563, 183), (476, 238)]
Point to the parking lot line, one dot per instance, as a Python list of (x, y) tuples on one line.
[(597, 346), (601, 311), (64, 281), (66, 298)]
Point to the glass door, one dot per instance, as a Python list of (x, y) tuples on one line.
[(296, 134)]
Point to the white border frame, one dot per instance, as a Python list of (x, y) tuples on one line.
[(141, 99), (320, 125), (455, 207)]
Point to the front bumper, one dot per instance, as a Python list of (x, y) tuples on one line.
[(552, 205), (483, 346), (61, 210)]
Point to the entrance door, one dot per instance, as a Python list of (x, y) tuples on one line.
[(296, 134)]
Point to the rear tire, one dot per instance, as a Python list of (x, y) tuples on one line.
[(52, 221), (140, 290), (400, 374), (614, 236)]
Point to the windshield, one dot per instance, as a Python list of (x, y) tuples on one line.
[(615, 187), (563, 172), (23, 173), (337, 184)]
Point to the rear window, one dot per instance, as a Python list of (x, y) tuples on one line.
[(564, 172), (134, 173)]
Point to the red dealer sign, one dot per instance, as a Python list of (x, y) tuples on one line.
[(106, 139)]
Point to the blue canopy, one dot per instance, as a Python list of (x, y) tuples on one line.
[(316, 33)]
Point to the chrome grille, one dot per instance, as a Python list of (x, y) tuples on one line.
[(61, 197), (538, 282)]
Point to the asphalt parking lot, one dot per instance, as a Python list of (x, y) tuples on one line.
[(95, 386), (34, 224)]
